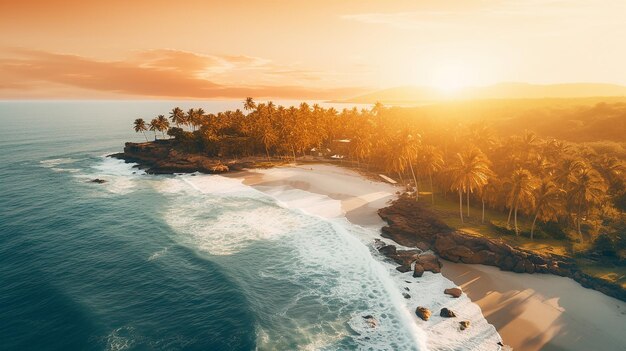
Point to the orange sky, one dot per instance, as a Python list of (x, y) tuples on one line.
[(301, 49)]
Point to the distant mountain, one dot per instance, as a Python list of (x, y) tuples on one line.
[(420, 95)]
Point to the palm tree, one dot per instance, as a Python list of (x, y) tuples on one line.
[(140, 126), (566, 169), (431, 160), (162, 124), (469, 171), (249, 104), (587, 189), (489, 194), (154, 126), (177, 116), (521, 184), (361, 146), (547, 202), (200, 115), (377, 108), (408, 148), (191, 117)]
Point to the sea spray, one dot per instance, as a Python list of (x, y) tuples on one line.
[(324, 275), (330, 266)]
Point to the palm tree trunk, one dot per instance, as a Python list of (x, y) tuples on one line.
[(268, 154), (508, 221), (144, 135), (432, 190), (461, 204), (417, 191), (293, 151), (532, 228), (468, 192), (580, 233), (483, 217), (401, 179), (516, 230)]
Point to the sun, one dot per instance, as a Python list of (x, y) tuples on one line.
[(450, 78)]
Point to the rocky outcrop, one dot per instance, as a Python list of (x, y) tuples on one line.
[(162, 157), (410, 224), (447, 313), (423, 312), (405, 258), (465, 324), (454, 292), (430, 262), (97, 181)]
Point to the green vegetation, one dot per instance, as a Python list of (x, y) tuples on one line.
[(536, 192)]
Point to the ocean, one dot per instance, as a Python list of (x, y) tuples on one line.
[(185, 262)]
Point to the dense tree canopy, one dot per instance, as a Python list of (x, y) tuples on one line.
[(543, 179)]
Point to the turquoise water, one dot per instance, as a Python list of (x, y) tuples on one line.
[(167, 262), (73, 261)]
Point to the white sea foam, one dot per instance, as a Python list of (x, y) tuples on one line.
[(216, 220), (331, 260), (56, 162), (441, 333), (120, 339), (157, 254), (120, 177)]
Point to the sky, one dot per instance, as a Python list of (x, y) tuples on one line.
[(150, 49)]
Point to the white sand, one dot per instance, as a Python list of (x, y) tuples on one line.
[(360, 197), (541, 311)]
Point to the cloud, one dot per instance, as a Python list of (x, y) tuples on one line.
[(499, 14), (153, 73)]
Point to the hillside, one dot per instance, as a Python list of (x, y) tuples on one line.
[(420, 95)]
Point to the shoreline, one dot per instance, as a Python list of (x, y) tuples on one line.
[(526, 333), (361, 198), (530, 311)]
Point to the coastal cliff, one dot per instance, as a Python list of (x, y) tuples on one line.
[(411, 224), (162, 157)]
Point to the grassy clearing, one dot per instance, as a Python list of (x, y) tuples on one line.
[(447, 209), (613, 274)]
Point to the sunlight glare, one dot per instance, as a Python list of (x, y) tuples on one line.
[(450, 78)]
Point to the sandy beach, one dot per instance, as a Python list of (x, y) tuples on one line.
[(541, 311), (360, 197), (531, 312)]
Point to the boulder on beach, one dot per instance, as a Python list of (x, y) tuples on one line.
[(404, 268), (387, 250), (423, 312), (220, 168), (446, 313), (97, 181), (406, 296), (454, 292), (370, 321), (430, 262), (464, 324), (418, 270)]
